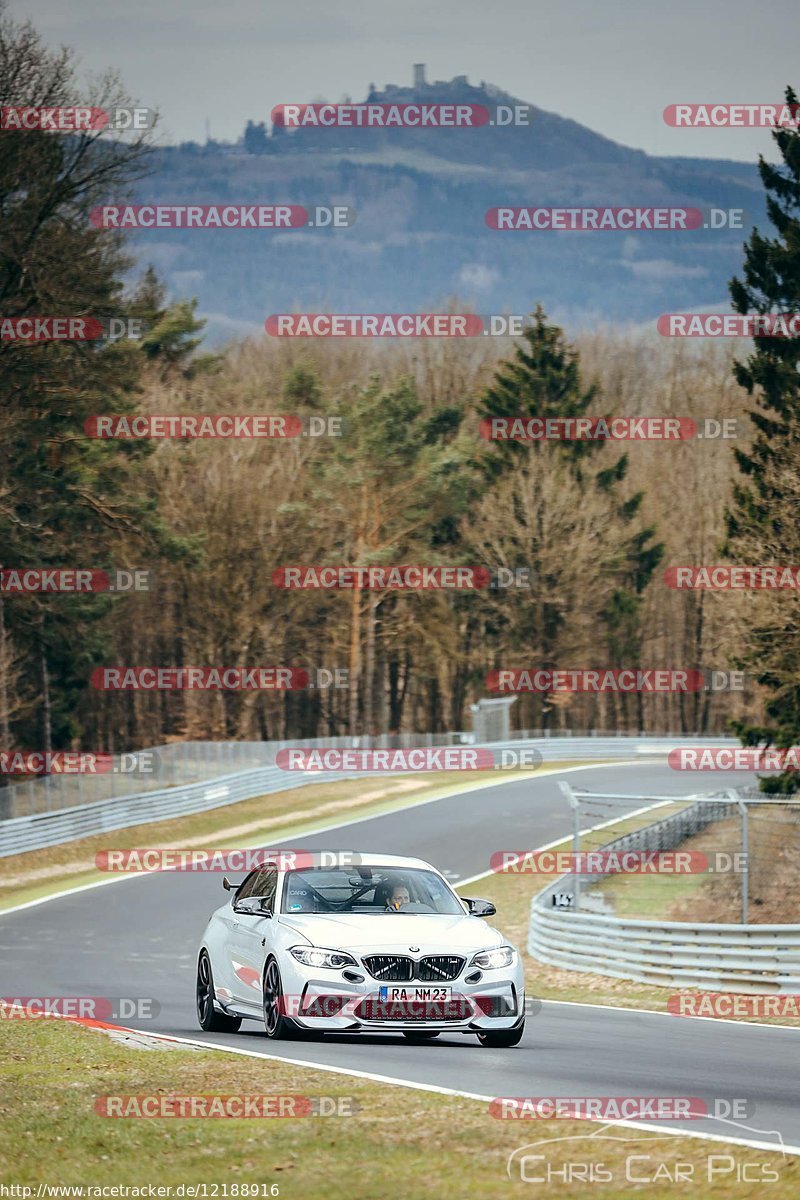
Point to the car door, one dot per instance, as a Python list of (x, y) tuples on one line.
[(230, 920), (249, 932)]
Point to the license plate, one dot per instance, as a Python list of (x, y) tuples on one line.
[(415, 995)]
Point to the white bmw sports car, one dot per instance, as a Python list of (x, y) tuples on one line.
[(384, 945)]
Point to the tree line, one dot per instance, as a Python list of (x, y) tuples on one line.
[(409, 480)]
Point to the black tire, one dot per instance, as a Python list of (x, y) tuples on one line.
[(207, 1016), (496, 1039), (421, 1035), (276, 1024)]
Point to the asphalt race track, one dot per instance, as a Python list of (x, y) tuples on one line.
[(139, 937)]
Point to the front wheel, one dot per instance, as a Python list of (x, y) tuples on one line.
[(207, 1016), (498, 1038), (276, 1024)]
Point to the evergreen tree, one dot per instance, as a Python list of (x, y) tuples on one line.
[(543, 379), (762, 517), (302, 388), (255, 138), (169, 341), (67, 500)]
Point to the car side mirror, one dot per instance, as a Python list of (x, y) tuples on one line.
[(253, 906), (480, 908), (226, 883)]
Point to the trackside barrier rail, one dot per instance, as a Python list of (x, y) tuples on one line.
[(758, 959), (38, 830), (192, 762)]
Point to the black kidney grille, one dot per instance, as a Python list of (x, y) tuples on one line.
[(398, 968), (395, 968), (437, 967)]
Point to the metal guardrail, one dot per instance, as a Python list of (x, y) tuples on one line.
[(759, 959), (735, 958), (176, 764), (38, 830), (192, 762)]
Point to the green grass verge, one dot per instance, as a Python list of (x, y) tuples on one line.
[(398, 1143)]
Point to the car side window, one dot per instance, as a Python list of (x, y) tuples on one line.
[(261, 884), (267, 886), (245, 889)]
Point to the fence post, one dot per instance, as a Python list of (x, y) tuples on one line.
[(742, 806), (575, 805)]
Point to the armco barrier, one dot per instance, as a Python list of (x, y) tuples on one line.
[(760, 959), (39, 830), (66, 825), (732, 958), (181, 763)]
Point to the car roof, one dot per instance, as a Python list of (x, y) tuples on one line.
[(361, 859)]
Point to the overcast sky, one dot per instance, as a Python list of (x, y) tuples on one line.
[(611, 64)]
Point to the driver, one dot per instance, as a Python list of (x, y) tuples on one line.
[(400, 896)]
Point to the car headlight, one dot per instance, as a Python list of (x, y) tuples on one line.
[(490, 960), (313, 956)]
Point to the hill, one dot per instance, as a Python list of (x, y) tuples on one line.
[(420, 234)]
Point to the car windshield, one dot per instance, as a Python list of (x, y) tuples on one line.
[(379, 890)]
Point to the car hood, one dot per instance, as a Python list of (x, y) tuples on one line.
[(390, 933)]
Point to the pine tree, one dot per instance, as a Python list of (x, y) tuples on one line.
[(170, 340), (544, 380), (67, 500), (762, 517)]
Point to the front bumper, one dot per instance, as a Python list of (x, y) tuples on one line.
[(335, 1004)]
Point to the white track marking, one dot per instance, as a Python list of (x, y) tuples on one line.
[(374, 1076)]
